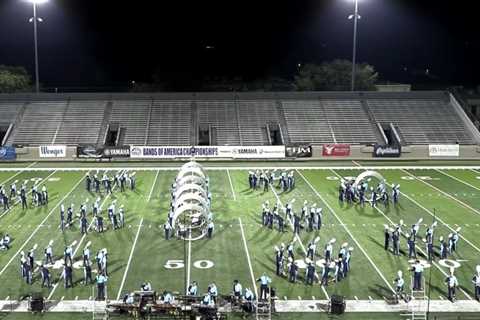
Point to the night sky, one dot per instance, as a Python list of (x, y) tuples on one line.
[(104, 42)]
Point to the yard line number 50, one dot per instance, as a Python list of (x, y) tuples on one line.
[(178, 264)]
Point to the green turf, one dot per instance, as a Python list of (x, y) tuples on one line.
[(452, 195)]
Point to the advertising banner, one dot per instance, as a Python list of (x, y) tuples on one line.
[(166, 152), (382, 151), (444, 150), (116, 152), (7, 153), (52, 151), (88, 151), (299, 151), (258, 152), (336, 150)]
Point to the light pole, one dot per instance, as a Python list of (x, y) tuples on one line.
[(355, 16), (36, 19)]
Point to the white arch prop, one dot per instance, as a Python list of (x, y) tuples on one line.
[(366, 174), (191, 188), (191, 204)]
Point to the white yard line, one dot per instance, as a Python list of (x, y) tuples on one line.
[(31, 164), (418, 247), (129, 260), (254, 283), (39, 226), (459, 180), (11, 177), (348, 231), (356, 163), (325, 292), (221, 168), (231, 185), (77, 247), (38, 184), (299, 240), (153, 186), (443, 192), (431, 214), (189, 258), (439, 219)]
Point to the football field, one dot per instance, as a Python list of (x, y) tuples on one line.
[(241, 247)]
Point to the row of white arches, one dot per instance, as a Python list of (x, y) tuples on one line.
[(191, 202)]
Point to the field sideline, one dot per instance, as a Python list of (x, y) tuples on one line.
[(241, 249)]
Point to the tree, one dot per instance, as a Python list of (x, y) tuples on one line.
[(271, 84), (13, 79), (335, 76)]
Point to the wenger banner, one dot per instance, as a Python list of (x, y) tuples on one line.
[(7, 153), (382, 151), (299, 151), (52, 151), (336, 150), (444, 150), (165, 152)]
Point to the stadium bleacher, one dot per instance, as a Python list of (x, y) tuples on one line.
[(170, 123), (40, 122), (79, 113), (421, 121), (236, 118)]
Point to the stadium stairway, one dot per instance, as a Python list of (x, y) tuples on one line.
[(16, 118), (195, 128), (282, 123), (105, 121), (374, 124)]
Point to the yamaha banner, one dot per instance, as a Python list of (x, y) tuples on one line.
[(116, 152), (299, 151), (382, 151), (7, 153)]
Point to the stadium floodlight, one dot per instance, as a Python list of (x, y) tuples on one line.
[(35, 20), (355, 17)]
